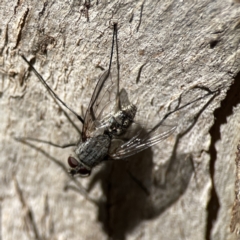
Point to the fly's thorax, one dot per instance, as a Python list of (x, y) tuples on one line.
[(119, 122), (93, 151)]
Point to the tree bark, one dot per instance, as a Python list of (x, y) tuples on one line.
[(182, 188)]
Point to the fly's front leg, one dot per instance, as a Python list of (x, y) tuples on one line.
[(47, 142)]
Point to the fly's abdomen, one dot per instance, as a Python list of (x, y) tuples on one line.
[(93, 150), (119, 123)]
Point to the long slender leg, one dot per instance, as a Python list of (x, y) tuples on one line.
[(52, 93), (81, 189), (68, 117), (47, 142), (106, 75), (118, 103), (209, 92)]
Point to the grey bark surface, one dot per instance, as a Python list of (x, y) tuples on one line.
[(182, 188)]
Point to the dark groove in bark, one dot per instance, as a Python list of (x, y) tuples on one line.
[(226, 109)]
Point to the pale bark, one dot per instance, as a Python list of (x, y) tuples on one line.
[(174, 45)]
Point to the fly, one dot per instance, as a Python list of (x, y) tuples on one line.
[(109, 130)]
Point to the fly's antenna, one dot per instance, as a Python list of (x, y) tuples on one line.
[(54, 95)]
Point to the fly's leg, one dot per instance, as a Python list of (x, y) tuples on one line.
[(68, 117), (55, 97), (80, 188), (46, 142), (52, 93), (107, 73), (118, 103)]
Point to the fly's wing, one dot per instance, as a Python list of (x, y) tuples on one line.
[(105, 100), (123, 99), (102, 103), (190, 102), (140, 142)]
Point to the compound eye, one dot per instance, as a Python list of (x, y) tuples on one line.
[(84, 172), (77, 168), (72, 162)]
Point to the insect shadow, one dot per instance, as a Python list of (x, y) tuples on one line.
[(109, 130), (135, 192), (112, 131)]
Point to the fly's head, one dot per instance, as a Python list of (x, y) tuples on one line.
[(76, 167), (76, 162)]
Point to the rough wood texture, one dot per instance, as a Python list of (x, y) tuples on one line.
[(182, 188)]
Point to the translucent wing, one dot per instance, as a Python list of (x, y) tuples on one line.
[(140, 142), (104, 99), (102, 103), (188, 101)]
